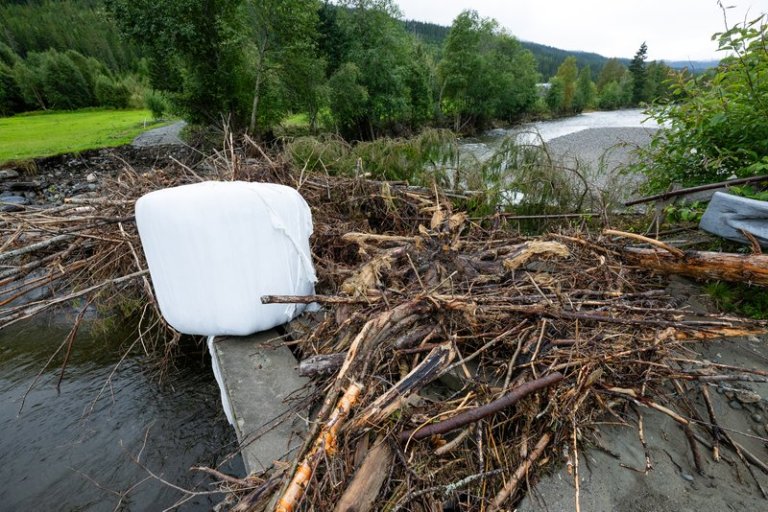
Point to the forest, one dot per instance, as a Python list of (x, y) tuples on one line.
[(353, 66)]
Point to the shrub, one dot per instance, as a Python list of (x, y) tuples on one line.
[(110, 93), (156, 103), (717, 129)]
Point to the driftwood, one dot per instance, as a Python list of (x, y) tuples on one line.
[(481, 412), (360, 494), (325, 445), (428, 370), (741, 268), (321, 364)]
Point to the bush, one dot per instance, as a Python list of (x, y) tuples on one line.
[(64, 85), (110, 93), (718, 129), (156, 103)]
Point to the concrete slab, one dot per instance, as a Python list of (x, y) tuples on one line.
[(258, 377)]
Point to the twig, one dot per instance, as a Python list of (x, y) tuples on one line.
[(511, 486), (652, 241)]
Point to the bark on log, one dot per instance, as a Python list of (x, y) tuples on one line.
[(428, 370), (361, 493), (321, 364), (742, 268)]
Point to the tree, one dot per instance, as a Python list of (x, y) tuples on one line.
[(462, 70), (639, 75), (555, 96), (585, 90), (515, 75), (64, 85), (375, 41), (567, 74), (613, 71), (485, 73), (195, 51), (349, 99), (11, 100), (281, 38)]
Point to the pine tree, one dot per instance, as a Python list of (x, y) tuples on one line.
[(639, 75)]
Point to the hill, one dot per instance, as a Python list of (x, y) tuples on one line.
[(548, 58)]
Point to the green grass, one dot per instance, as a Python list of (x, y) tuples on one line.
[(47, 134)]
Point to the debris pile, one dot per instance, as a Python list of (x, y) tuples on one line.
[(453, 360)]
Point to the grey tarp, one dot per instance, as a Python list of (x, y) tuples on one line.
[(727, 215)]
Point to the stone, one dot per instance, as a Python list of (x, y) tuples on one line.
[(757, 418), (12, 203), (735, 404), (9, 174), (747, 397), (90, 178)]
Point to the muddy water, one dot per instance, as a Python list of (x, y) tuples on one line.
[(91, 445)]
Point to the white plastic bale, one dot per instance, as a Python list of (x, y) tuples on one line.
[(215, 248)]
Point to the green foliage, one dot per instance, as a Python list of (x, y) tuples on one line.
[(750, 192), (749, 301), (64, 85), (484, 73), (685, 213), (111, 93), (349, 99), (11, 100), (196, 45), (78, 25), (715, 128), (420, 160), (639, 75), (586, 91), (156, 103)]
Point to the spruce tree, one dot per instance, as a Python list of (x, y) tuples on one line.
[(639, 75)]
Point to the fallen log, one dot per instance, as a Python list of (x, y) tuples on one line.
[(721, 266)]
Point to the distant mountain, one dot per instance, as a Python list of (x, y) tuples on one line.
[(697, 66), (547, 57)]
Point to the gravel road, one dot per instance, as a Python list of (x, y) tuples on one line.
[(164, 136)]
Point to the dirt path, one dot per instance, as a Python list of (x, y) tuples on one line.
[(164, 136)]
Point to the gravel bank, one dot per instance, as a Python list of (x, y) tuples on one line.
[(615, 146), (601, 153)]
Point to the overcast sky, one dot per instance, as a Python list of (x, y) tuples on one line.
[(673, 29)]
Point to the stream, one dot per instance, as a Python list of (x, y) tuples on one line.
[(92, 445)]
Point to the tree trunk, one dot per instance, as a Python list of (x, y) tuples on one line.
[(742, 268)]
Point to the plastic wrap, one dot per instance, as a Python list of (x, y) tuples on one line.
[(215, 248)]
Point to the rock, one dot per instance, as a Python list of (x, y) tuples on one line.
[(12, 203), (757, 418), (735, 404), (90, 178), (753, 339), (9, 174), (686, 476), (747, 397)]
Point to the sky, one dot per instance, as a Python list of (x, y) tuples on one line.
[(672, 29)]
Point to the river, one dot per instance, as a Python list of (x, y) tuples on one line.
[(77, 449)]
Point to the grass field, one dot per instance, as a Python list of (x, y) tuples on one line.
[(47, 134)]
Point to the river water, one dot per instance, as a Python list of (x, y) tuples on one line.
[(77, 449), (547, 131)]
